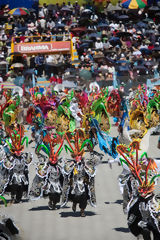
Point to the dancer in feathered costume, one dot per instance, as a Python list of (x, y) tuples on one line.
[(10, 111), (47, 103), (107, 144), (143, 213), (48, 179), (14, 164), (143, 114), (117, 108), (35, 118), (101, 113), (67, 114), (79, 173), (153, 111)]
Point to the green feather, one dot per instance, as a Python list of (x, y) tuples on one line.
[(4, 200), (25, 138), (72, 125), (60, 151), (85, 142), (123, 161), (9, 144), (106, 94), (67, 148), (144, 154), (153, 178), (43, 146)]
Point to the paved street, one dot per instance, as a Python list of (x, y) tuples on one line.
[(105, 222)]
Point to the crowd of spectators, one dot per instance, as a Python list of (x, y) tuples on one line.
[(110, 42)]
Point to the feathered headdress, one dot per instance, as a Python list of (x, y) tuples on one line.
[(50, 142), (17, 138), (11, 110), (138, 121), (101, 113), (153, 104), (35, 115), (113, 103), (141, 99), (76, 142), (131, 159)]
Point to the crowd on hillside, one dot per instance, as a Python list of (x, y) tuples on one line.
[(108, 41)]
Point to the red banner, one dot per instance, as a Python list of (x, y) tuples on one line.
[(42, 47)]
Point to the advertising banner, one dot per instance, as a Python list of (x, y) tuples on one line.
[(42, 47)]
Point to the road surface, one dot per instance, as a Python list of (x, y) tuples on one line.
[(105, 222)]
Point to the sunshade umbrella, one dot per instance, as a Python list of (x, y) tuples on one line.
[(115, 41), (3, 63), (17, 65), (29, 72), (154, 9), (134, 4), (87, 11), (142, 25), (147, 20), (85, 74), (84, 45), (66, 9), (74, 24), (79, 29), (150, 31), (102, 25), (60, 25), (70, 77), (145, 51), (150, 63), (69, 84), (22, 29), (111, 8), (87, 41), (93, 35), (123, 17), (19, 11)]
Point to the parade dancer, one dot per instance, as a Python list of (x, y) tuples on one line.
[(48, 179), (14, 165), (79, 173), (143, 213)]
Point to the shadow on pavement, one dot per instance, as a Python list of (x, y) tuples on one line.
[(40, 208), (119, 201), (122, 229), (104, 162), (76, 214)]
